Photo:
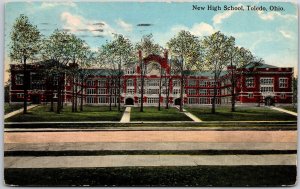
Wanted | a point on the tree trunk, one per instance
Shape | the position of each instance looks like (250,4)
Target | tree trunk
(58,95)
(110,94)
(25,85)
(213,110)
(159,95)
(81,99)
(115,91)
(119,88)
(73,94)
(232,89)
(52,95)
(76,96)
(142,88)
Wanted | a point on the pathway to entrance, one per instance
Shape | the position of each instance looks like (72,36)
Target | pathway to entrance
(193,117)
(18,111)
(126,116)
(283,110)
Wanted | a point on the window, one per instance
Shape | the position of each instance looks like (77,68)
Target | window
(282,96)
(203,101)
(102,91)
(250,95)
(90,91)
(192,100)
(19,79)
(249,82)
(153,91)
(283,82)
(176,91)
(90,100)
(152,100)
(20,95)
(266,81)
(90,83)
(129,83)
(203,92)
(153,82)
(130,91)
(101,83)
(192,92)
(203,83)
(102,100)
(192,82)
(176,83)
(212,83)
(266,89)
(130,71)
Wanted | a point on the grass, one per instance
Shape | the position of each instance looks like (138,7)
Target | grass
(89,113)
(223,113)
(152,114)
(11,107)
(155,176)
(290,108)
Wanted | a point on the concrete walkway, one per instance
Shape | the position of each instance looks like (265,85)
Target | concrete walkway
(193,117)
(283,110)
(146,146)
(146,160)
(152,136)
(18,111)
(126,115)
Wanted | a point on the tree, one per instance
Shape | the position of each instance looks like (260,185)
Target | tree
(106,59)
(238,58)
(145,48)
(123,51)
(25,45)
(58,50)
(216,58)
(186,51)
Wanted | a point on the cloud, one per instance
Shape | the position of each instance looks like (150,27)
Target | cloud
(78,24)
(273,15)
(218,18)
(202,29)
(286,34)
(47,5)
(125,26)
(198,29)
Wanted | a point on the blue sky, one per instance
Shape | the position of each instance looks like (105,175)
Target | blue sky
(271,35)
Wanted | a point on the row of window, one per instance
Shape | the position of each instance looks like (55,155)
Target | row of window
(202,100)
(203,91)
(283,82)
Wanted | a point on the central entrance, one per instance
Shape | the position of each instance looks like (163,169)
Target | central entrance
(129,101)
(177,101)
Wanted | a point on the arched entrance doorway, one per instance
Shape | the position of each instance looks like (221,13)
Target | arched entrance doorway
(177,101)
(269,101)
(129,101)
(35,98)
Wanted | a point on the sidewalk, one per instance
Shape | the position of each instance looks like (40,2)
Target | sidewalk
(193,117)
(147,160)
(145,146)
(18,111)
(126,116)
(285,111)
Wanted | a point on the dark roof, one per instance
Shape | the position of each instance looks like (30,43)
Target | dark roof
(259,65)
(205,73)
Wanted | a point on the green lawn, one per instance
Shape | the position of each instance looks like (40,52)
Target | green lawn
(241,114)
(90,113)
(11,107)
(152,114)
(181,176)
(290,108)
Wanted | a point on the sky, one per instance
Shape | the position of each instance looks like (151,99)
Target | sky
(270,35)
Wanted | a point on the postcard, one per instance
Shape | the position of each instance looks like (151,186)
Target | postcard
(172,93)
